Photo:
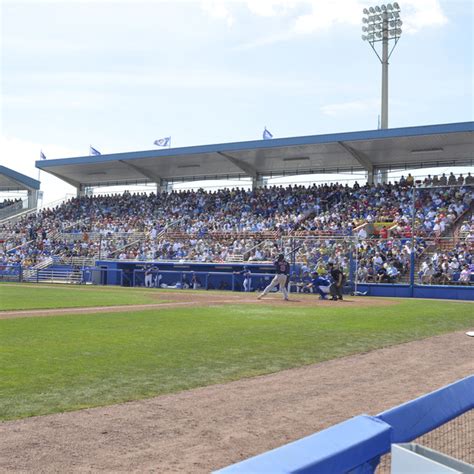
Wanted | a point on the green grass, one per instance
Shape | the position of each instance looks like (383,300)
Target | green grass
(64,363)
(18,297)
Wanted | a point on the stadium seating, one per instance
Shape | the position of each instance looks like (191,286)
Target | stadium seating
(312,223)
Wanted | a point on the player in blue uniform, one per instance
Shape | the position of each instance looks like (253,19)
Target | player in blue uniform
(321,285)
(247,275)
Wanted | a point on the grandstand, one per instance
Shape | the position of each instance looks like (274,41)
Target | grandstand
(402,233)
(18,193)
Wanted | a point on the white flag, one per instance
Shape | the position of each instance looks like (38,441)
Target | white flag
(93,151)
(163,141)
(266,134)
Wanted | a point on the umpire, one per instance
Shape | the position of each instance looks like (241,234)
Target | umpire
(339,279)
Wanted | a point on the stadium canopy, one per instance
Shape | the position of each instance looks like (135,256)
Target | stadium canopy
(11,180)
(370,151)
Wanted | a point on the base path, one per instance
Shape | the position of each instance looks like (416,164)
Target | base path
(177,299)
(208,428)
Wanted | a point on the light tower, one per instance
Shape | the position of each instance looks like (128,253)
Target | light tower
(382,24)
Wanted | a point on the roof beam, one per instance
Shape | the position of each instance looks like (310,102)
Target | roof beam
(245,167)
(70,181)
(22,181)
(360,157)
(148,174)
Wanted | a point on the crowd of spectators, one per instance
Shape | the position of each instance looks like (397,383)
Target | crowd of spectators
(248,224)
(450,180)
(10,202)
(466,231)
(453,266)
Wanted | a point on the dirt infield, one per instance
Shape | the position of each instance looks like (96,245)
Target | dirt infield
(204,429)
(176,299)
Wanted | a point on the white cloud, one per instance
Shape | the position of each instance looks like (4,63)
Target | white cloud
(62,99)
(218,9)
(181,79)
(357,107)
(420,14)
(268,8)
(313,16)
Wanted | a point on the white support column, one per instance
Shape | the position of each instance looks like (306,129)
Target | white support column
(163,186)
(32,198)
(259,181)
(370,176)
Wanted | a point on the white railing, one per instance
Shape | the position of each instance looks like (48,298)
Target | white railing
(78,261)
(53,276)
(18,216)
(57,202)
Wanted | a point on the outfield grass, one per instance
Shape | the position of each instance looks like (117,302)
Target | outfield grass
(22,296)
(64,363)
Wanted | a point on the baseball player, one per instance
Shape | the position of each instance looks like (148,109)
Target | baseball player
(321,285)
(149,277)
(247,284)
(282,270)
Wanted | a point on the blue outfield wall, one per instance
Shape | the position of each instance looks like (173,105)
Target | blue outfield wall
(449,292)
(356,445)
(227,276)
(224,276)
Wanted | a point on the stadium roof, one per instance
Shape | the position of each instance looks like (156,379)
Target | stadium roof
(388,149)
(11,180)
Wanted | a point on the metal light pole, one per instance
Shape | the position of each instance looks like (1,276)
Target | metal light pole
(381,24)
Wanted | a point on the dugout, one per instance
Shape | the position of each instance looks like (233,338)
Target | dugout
(211,276)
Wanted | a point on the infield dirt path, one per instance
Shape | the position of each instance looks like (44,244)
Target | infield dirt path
(177,299)
(208,428)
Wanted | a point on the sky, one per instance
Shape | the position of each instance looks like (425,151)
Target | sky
(118,75)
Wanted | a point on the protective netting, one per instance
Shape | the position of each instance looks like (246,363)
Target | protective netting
(455,439)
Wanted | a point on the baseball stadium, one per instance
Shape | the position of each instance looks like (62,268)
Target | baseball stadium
(164,320)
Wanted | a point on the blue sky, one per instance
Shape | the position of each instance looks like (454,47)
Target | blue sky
(119,75)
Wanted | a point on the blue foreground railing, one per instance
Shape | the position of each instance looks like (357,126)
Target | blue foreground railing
(356,445)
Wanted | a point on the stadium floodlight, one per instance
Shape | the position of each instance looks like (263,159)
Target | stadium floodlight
(382,23)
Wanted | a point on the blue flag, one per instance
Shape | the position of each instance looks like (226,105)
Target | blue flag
(42,155)
(163,141)
(93,151)
(266,134)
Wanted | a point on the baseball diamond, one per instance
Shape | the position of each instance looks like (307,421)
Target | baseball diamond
(79,357)
(216,255)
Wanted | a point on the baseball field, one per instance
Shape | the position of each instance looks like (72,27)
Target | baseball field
(66,348)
